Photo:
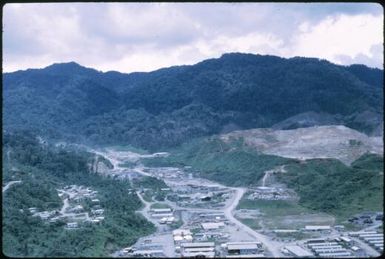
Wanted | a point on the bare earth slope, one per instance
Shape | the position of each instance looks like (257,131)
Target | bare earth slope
(337,142)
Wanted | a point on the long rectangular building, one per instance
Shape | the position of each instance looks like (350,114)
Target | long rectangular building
(371,235)
(198,244)
(317,228)
(202,249)
(246,256)
(298,251)
(198,249)
(333,250)
(198,254)
(242,248)
(373,239)
(323,244)
(354,234)
(327,248)
(376,241)
(337,255)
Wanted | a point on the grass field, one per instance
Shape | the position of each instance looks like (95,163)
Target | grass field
(294,235)
(159,206)
(253,223)
(279,214)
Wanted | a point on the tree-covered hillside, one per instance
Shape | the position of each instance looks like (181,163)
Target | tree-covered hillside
(330,186)
(171,105)
(42,169)
(232,164)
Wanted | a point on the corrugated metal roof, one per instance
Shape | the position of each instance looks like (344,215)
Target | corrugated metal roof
(298,251)
(198,244)
(242,246)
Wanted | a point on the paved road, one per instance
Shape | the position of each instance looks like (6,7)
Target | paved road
(371,251)
(6,187)
(273,248)
(374,227)
(145,211)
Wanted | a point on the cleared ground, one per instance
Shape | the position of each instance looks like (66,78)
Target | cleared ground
(338,142)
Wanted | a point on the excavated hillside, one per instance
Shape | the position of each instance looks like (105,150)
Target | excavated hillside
(338,142)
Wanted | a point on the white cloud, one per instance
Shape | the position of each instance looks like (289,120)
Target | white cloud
(340,35)
(142,37)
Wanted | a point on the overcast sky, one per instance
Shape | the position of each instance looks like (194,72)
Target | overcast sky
(131,37)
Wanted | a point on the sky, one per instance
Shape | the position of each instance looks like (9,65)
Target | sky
(130,37)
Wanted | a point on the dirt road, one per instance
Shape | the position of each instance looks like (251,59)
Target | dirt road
(6,187)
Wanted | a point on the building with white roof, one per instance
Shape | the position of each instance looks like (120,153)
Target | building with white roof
(198,245)
(317,228)
(335,255)
(198,249)
(181,232)
(298,251)
(212,225)
(246,256)
(165,210)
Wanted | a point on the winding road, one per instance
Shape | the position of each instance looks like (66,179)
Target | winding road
(146,209)
(6,187)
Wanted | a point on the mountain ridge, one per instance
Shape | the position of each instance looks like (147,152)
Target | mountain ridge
(353,67)
(168,106)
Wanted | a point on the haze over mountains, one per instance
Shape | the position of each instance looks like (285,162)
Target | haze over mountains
(169,106)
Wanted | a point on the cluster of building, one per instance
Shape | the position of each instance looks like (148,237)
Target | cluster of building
(180,236)
(245,249)
(208,236)
(73,211)
(324,248)
(366,218)
(338,247)
(209,226)
(372,238)
(44,215)
(166,215)
(197,249)
(297,251)
(317,228)
(166,172)
(229,250)
(143,250)
(190,195)
(76,193)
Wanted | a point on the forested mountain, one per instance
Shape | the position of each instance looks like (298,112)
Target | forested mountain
(171,105)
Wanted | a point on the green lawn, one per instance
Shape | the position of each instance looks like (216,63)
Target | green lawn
(272,208)
(253,223)
(280,214)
